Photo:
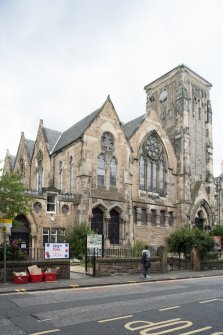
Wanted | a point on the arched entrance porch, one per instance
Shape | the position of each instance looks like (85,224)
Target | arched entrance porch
(21,231)
(202,216)
(106,223)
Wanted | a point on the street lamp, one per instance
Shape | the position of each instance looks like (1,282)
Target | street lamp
(218,184)
(52,220)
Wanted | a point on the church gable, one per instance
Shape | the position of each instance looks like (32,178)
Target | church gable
(40,165)
(9,162)
(23,158)
(106,148)
(149,124)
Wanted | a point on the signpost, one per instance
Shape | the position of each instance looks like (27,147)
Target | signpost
(6,224)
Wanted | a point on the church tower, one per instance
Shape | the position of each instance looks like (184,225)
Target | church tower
(181,99)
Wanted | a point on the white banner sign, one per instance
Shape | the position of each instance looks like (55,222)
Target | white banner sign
(56,250)
(94,243)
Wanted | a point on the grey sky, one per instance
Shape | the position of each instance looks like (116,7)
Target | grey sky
(59,59)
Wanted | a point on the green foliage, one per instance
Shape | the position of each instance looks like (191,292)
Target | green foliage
(182,241)
(217,231)
(137,248)
(76,237)
(13,198)
(13,251)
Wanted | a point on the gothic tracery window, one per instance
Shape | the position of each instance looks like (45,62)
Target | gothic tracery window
(107,141)
(151,165)
(107,162)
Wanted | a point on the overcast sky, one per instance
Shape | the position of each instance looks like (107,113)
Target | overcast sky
(59,59)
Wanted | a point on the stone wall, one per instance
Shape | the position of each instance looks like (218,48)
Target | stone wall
(20,266)
(213,264)
(108,266)
(177,264)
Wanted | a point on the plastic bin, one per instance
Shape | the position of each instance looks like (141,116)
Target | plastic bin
(49,276)
(20,279)
(36,278)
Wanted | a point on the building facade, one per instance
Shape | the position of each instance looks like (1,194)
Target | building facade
(134,181)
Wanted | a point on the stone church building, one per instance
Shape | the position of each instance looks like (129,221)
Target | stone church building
(130,181)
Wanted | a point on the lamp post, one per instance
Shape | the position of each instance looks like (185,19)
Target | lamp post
(52,220)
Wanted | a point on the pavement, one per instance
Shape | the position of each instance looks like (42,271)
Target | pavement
(80,279)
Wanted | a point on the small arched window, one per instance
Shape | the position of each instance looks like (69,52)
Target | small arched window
(101,170)
(113,170)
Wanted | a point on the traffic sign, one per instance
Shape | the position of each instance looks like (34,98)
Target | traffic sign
(5,223)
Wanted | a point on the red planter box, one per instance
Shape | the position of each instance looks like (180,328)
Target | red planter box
(20,279)
(35,278)
(49,276)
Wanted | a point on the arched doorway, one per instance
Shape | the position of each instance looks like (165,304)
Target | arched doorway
(202,216)
(113,227)
(199,220)
(20,231)
(97,221)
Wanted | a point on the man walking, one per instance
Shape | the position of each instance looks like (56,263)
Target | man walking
(145,261)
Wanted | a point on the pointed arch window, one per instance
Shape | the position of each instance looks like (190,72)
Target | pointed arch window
(39,171)
(152,166)
(149,174)
(162,178)
(37,180)
(71,174)
(142,173)
(154,177)
(60,186)
(22,167)
(101,170)
(113,169)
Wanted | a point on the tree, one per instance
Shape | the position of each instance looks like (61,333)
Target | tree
(13,197)
(182,241)
(217,231)
(76,237)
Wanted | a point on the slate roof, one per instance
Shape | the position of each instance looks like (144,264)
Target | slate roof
(52,136)
(76,131)
(30,147)
(132,126)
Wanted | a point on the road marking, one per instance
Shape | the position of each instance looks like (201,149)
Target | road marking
(22,290)
(167,308)
(118,318)
(211,300)
(131,281)
(44,320)
(46,332)
(196,331)
(74,285)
